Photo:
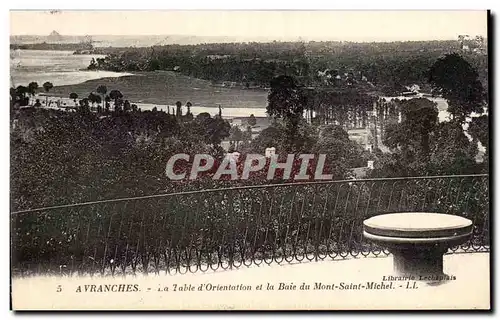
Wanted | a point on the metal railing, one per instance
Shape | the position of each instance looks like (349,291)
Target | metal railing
(230,228)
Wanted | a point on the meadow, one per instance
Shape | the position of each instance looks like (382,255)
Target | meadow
(167,87)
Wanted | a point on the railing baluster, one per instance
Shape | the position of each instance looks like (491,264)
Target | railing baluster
(104,258)
(245,240)
(130,229)
(356,221)
(309,217)
(300,219)
(277,234)
(321,222)
(364,244)
(257,227)
(289,258)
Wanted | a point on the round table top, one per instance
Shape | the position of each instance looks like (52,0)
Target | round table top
(417,224)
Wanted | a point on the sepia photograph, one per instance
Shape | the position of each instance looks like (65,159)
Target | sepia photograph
(249,160)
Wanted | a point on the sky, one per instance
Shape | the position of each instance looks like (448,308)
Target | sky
(328,25)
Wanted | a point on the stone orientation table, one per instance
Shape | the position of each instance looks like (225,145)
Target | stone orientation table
(417,240)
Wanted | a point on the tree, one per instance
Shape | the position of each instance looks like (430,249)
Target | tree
(189,115)
(252,121)
(119,104)
(451,151)
(93,64)
(333,141)
(13,94)
(389,165)
(247,135)
(47,86)
(32,88)
(411,136)
(479,130)
(457,81)
(116,96)
(235,135)
(107,100)
(217,129)
(84,105)
(126,106)
(73,96)
(203,116)
(19,96)
(285,101)
(94,98)
(211,130)
(102,90)
(421,117)
(267,138)
(309,100)
(178,111)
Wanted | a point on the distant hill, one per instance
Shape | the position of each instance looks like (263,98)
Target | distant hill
(81,46)
(54,37)
(136,41)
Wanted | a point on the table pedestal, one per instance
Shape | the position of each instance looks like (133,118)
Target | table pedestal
(418,261)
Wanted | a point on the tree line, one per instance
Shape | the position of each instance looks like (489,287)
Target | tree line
(388,66)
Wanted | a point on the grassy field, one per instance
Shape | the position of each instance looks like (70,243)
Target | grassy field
(167,87)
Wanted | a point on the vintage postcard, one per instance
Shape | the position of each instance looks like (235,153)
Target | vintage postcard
(249,160)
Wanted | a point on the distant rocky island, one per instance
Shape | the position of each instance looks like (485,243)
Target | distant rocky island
(54,41)
(100,51)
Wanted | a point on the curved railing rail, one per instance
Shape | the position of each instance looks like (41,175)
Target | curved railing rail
(228,228)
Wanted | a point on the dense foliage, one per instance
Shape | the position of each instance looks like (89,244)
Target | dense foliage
(388,66)
(420,145)
(59,157)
